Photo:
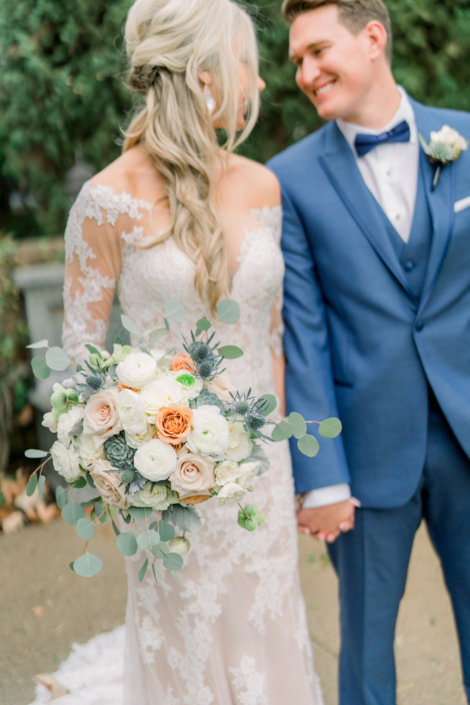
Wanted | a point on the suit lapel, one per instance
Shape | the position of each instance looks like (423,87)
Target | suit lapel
(339,165)
(440,201)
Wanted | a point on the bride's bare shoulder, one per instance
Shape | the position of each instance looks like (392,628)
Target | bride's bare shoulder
(134,173)
(249,185)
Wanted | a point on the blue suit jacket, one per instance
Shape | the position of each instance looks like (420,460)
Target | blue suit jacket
(358,344)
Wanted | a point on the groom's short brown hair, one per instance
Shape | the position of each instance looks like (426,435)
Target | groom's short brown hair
(353,14)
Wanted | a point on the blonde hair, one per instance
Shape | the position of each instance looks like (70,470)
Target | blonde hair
(169,42)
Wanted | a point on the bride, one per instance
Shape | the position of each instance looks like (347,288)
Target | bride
(178,217)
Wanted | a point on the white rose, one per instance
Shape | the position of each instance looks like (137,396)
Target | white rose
(156,498)
(194,475)
(191,383)
(221,387)
(447,135)
(210,434)
(137,370)
(155,460)
(135,440)
(66,461)
(163,392)
(241,445)
(231,493)
(225,472)
(49,421)
(89,453)
(67,422)
(130,409)
(248,472)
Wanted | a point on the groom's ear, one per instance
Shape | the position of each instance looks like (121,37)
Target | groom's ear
(376,37)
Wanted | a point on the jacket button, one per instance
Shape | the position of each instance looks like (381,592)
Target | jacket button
(419,326)
(409,265)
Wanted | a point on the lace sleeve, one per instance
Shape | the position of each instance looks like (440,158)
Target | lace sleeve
(274,219)
(93,261)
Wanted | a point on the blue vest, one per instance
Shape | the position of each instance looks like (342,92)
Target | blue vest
(414,255)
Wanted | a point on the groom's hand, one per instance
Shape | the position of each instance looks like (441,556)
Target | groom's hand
(327,523)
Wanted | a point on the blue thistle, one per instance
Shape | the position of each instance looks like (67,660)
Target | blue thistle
(206,359)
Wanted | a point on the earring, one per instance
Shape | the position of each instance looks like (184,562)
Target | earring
(210,102)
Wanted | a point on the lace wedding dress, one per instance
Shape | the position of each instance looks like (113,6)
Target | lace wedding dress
(235,631)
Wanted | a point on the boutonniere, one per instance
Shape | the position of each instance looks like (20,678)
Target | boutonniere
(444,147)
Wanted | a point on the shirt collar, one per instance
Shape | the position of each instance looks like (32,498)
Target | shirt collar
(404,112)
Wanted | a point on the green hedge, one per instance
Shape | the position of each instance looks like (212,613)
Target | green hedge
(60,83)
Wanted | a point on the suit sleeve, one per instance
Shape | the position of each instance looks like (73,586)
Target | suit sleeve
(309,378)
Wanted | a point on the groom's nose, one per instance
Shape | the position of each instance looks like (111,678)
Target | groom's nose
(309,72)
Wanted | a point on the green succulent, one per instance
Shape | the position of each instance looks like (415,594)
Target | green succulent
(118,452)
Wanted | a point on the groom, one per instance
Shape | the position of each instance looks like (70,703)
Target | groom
(377,313)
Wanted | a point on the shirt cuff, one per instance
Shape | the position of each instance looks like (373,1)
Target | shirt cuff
(326,496)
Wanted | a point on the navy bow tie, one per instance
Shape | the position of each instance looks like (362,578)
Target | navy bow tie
(366,143)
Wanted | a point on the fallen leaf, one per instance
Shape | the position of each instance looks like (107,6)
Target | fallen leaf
(53,686)
(403,688)
(13,522)
(37,611)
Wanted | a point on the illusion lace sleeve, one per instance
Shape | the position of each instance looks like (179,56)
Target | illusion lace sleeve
(93,261)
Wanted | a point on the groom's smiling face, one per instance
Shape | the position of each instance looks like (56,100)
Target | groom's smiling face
(335,68)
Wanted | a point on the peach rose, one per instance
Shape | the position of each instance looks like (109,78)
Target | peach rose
(107,484)
(173,424)
(193,476)
(182,362)
(196,499)
(101,419)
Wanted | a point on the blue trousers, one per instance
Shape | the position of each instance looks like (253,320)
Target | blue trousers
(372,565)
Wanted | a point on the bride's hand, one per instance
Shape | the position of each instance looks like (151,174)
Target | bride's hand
(327,523)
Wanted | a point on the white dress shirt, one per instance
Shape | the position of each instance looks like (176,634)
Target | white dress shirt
(390,172)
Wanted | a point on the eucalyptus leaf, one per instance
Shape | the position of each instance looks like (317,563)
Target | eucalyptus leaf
(127,543)
(143,570)
(281,432)
(185,518)
(41,481)
(100,512)
(154,573)
(203,324)
(32,484)
(330,428)
(146,538)
(308,445)
(297,424)
(228,311)
(231,352)
(270,403)
(166,531)
(90,481)
(175,575)
(71,566)
(40,368)
(129,325)
(140,512)
(38,346)
(85,529)
(259,455)
(72,512)
(175,311)
(116,530)
(33,453)
(80,483)
(60,497)
(88,565)
(57,359)
(173,562)
(93,350)
(157,334)
(118,341)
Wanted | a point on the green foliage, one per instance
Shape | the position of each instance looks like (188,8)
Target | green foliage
(12,327)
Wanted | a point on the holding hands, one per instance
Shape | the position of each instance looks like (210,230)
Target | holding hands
(327,523)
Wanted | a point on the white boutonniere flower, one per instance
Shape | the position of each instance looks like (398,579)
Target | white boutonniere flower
(444,147)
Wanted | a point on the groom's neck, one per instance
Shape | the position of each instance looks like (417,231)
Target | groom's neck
(379,104)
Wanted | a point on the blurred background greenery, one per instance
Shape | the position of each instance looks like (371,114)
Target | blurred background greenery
(62,103)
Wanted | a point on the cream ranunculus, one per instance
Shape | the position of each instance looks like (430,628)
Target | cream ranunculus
(131,412)
(135,440)
(49,421)
(155,460)
(231,493)
(109,485)
(164,392)
(447,135)
(191,383)
(248,472)
(89,452)
(137,370)
(241,445)
(157,498)
(227,471)
(66,461)
(210,434)
(67,422)
(194,475)
(221,387)
(101,418)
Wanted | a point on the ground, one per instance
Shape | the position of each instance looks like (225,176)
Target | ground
(38,624)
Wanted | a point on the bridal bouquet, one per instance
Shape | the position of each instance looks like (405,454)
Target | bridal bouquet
(158,432)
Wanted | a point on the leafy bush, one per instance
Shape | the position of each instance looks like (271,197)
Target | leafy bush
(61,91)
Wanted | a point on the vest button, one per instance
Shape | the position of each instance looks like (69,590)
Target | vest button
(419,326)
(409,265)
